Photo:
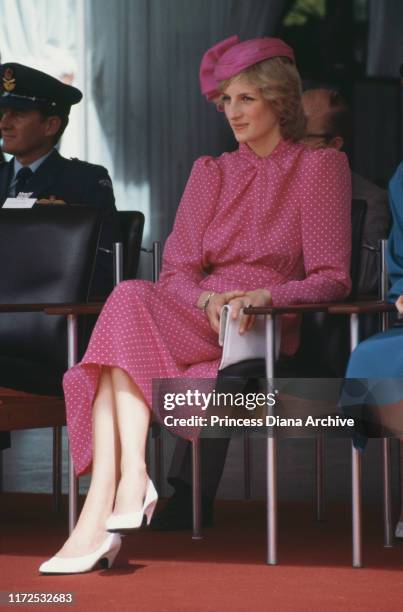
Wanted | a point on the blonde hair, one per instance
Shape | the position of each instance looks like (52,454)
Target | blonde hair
(280,84)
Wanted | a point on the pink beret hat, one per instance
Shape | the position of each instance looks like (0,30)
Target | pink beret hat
(229,57)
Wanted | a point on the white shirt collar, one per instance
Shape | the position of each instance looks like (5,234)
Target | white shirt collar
(34,166)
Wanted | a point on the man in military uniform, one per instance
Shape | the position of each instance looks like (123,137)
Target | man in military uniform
(34,110)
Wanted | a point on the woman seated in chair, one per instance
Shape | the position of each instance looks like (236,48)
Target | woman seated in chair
(381,356)
(266,224)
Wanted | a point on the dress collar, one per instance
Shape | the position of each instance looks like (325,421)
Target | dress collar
(278,152)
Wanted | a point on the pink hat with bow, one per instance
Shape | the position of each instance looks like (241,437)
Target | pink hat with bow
(229,57)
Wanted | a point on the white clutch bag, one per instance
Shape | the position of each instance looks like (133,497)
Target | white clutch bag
(249,345)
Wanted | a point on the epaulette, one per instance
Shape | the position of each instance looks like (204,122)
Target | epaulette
(99,171)
(81,161)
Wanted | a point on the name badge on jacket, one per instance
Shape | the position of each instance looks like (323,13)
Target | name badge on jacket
(19,202)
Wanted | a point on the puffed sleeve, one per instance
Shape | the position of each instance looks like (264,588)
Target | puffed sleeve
(395,242)
(325,188)
(183,265)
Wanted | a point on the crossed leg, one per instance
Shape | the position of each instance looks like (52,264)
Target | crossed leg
(120,424)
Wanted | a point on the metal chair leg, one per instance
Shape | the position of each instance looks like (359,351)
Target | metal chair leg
(356,506)
(247,465)
(196,492)
(73,495)
(387,493)
(157,432)
(1,472)
(356,469)
(320,445)
(272,500)
(57,468)
(271,453)
(72,358)
(148,452)
(386,442)
(158,456)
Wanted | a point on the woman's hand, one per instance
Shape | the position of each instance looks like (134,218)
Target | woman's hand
(215,303)
(257,297)
(399,304)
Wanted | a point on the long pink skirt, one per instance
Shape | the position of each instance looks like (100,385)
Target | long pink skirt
(150,334)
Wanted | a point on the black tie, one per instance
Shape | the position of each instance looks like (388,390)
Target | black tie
(23,177)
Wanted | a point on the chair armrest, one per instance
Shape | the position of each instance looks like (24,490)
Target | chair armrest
(29,411)
(23,307)
(331,307)
(55,309)
(292,309)
(74,309)
(373,307)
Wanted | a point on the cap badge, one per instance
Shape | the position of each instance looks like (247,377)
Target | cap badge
(8,80)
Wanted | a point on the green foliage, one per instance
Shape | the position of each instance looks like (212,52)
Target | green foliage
(303,10)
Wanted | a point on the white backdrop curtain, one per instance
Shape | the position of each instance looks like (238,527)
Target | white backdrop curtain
(385,55)
(385,38)
(43,34)
(137,62)
(143,61)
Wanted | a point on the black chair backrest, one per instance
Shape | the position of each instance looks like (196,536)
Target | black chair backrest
(131,225)
(358,212)
(324,347)
(47,255)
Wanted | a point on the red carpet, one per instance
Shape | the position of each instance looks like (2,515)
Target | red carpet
(225,571)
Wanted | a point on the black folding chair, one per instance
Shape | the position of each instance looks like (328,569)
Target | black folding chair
(358,216)
(47,256)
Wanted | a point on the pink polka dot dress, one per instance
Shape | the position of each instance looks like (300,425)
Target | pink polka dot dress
(244,222)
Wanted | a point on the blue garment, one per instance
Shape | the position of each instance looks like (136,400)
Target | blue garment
(17,167)
(395,242)
(381,356)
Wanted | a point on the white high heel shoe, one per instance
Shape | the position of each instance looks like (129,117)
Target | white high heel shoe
(134,520)
(105,555)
